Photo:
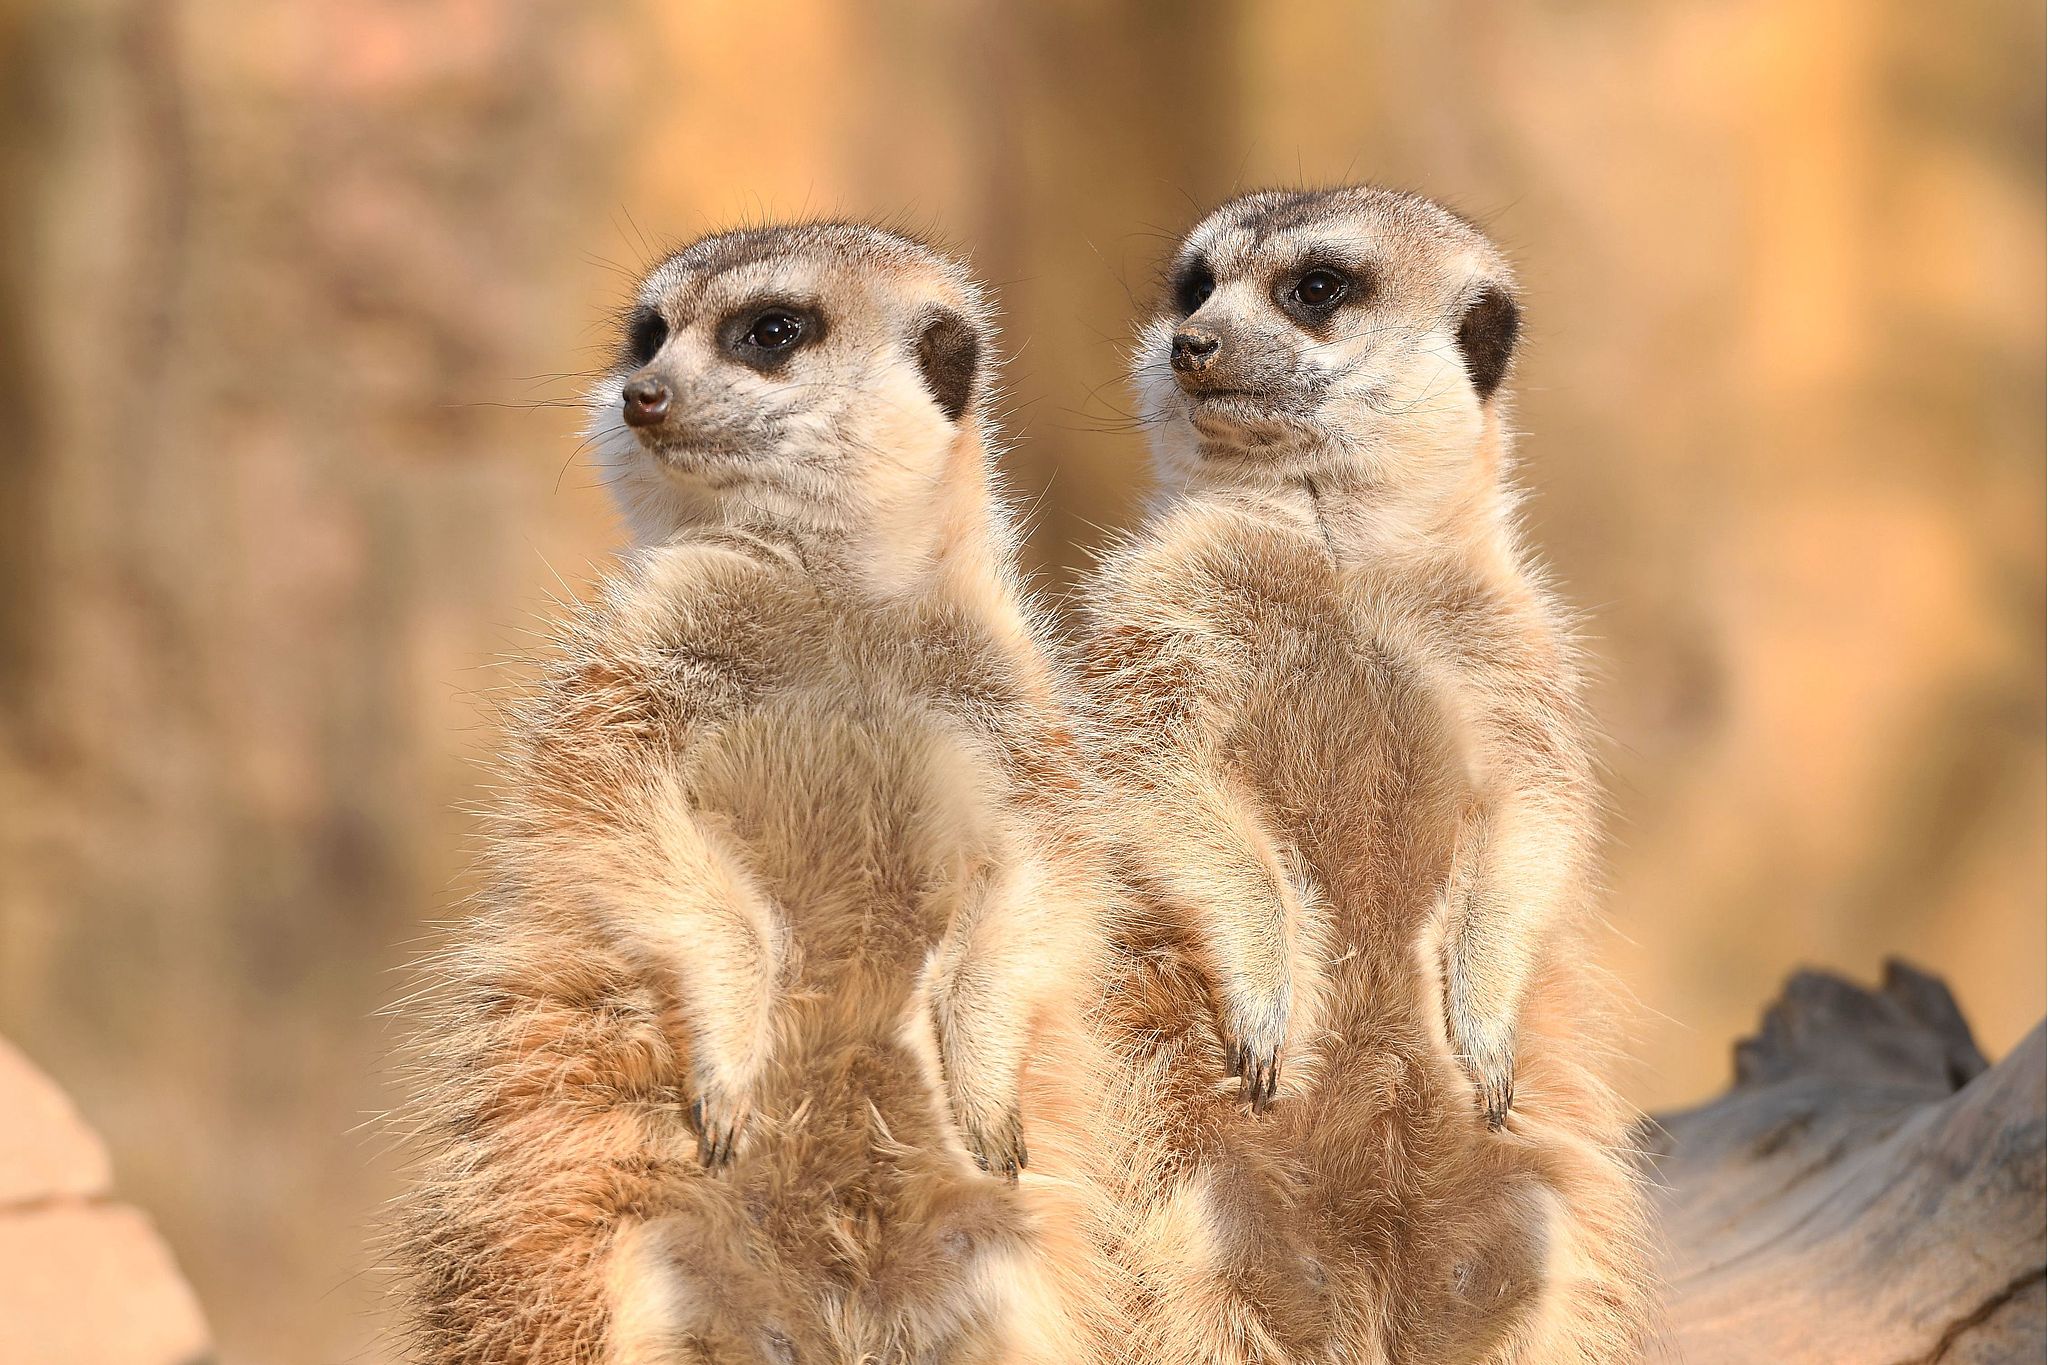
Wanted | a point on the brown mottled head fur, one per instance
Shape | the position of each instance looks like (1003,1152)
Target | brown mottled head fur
(1351,787)
(765,1042)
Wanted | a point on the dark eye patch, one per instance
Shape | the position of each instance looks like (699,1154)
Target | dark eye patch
(766,333)
(1312,294)
(1321,288)
(646,331)
(1193,283)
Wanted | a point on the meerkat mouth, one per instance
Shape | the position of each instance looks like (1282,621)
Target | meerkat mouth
(1233,399)
(693,457)
(1198,397)
(1242,416)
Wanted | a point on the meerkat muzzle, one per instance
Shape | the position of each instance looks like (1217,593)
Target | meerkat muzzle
(646,401)
(1194,350)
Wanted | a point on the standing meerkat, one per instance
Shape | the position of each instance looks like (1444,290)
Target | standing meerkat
(1342,713)
(740,1057)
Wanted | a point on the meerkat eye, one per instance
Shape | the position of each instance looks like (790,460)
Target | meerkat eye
(646,330)
(1192,288)
(775,330)
(765,335)
(1321,288)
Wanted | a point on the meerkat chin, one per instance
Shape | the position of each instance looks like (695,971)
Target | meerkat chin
(736,1060)
(1355,787)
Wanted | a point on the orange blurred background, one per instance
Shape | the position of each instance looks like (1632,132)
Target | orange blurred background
(292,301)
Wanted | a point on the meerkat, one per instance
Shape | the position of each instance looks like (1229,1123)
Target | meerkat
(1352,780)
(766,1042)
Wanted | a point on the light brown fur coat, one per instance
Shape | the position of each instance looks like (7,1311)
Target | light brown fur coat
(786,924)
(1325,681)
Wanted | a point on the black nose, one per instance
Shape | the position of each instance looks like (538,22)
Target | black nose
(646,400)
(1193,349)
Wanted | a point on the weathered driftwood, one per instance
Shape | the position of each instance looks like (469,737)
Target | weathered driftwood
(1868,1193)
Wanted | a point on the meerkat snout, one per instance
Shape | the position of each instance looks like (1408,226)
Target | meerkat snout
(1193,350)
(646,400)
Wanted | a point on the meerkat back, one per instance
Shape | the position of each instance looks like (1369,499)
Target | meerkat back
(746,1055)
(1357,808)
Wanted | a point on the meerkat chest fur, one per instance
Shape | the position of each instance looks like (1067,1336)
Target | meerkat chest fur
(1283,623)
(854,749)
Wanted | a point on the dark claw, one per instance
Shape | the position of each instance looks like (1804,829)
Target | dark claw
(1001,1153)
(717,1138)
(1495,1097)
(1260,1075)
(1488,1058)
(1493,1084)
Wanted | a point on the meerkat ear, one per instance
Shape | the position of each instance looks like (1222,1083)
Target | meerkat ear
(1486,338)
(949,354)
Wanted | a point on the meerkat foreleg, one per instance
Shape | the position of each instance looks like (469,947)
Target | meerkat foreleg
(1197,837)
(1525,837)
(986,975)
(690,904)
(1212,853)
(1514,858)
(1481,1030)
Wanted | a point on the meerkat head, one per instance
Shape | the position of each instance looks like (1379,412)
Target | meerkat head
(1358,331)
(818,377)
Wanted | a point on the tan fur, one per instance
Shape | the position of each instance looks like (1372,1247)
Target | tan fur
(780,972)
(1352,784)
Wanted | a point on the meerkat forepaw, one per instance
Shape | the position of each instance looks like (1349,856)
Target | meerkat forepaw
(997,1144)
(719,1119)
(1488,1057)
(1259,1071)
(1252,1052)
(1496,1094)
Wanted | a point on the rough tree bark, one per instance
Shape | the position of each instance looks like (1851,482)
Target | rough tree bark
(1869,1192)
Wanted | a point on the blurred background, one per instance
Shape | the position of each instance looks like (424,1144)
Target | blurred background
(294,297)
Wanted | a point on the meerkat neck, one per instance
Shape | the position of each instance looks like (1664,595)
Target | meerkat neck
(1361,516)
(890,550)
(1361,520)
(948,542)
